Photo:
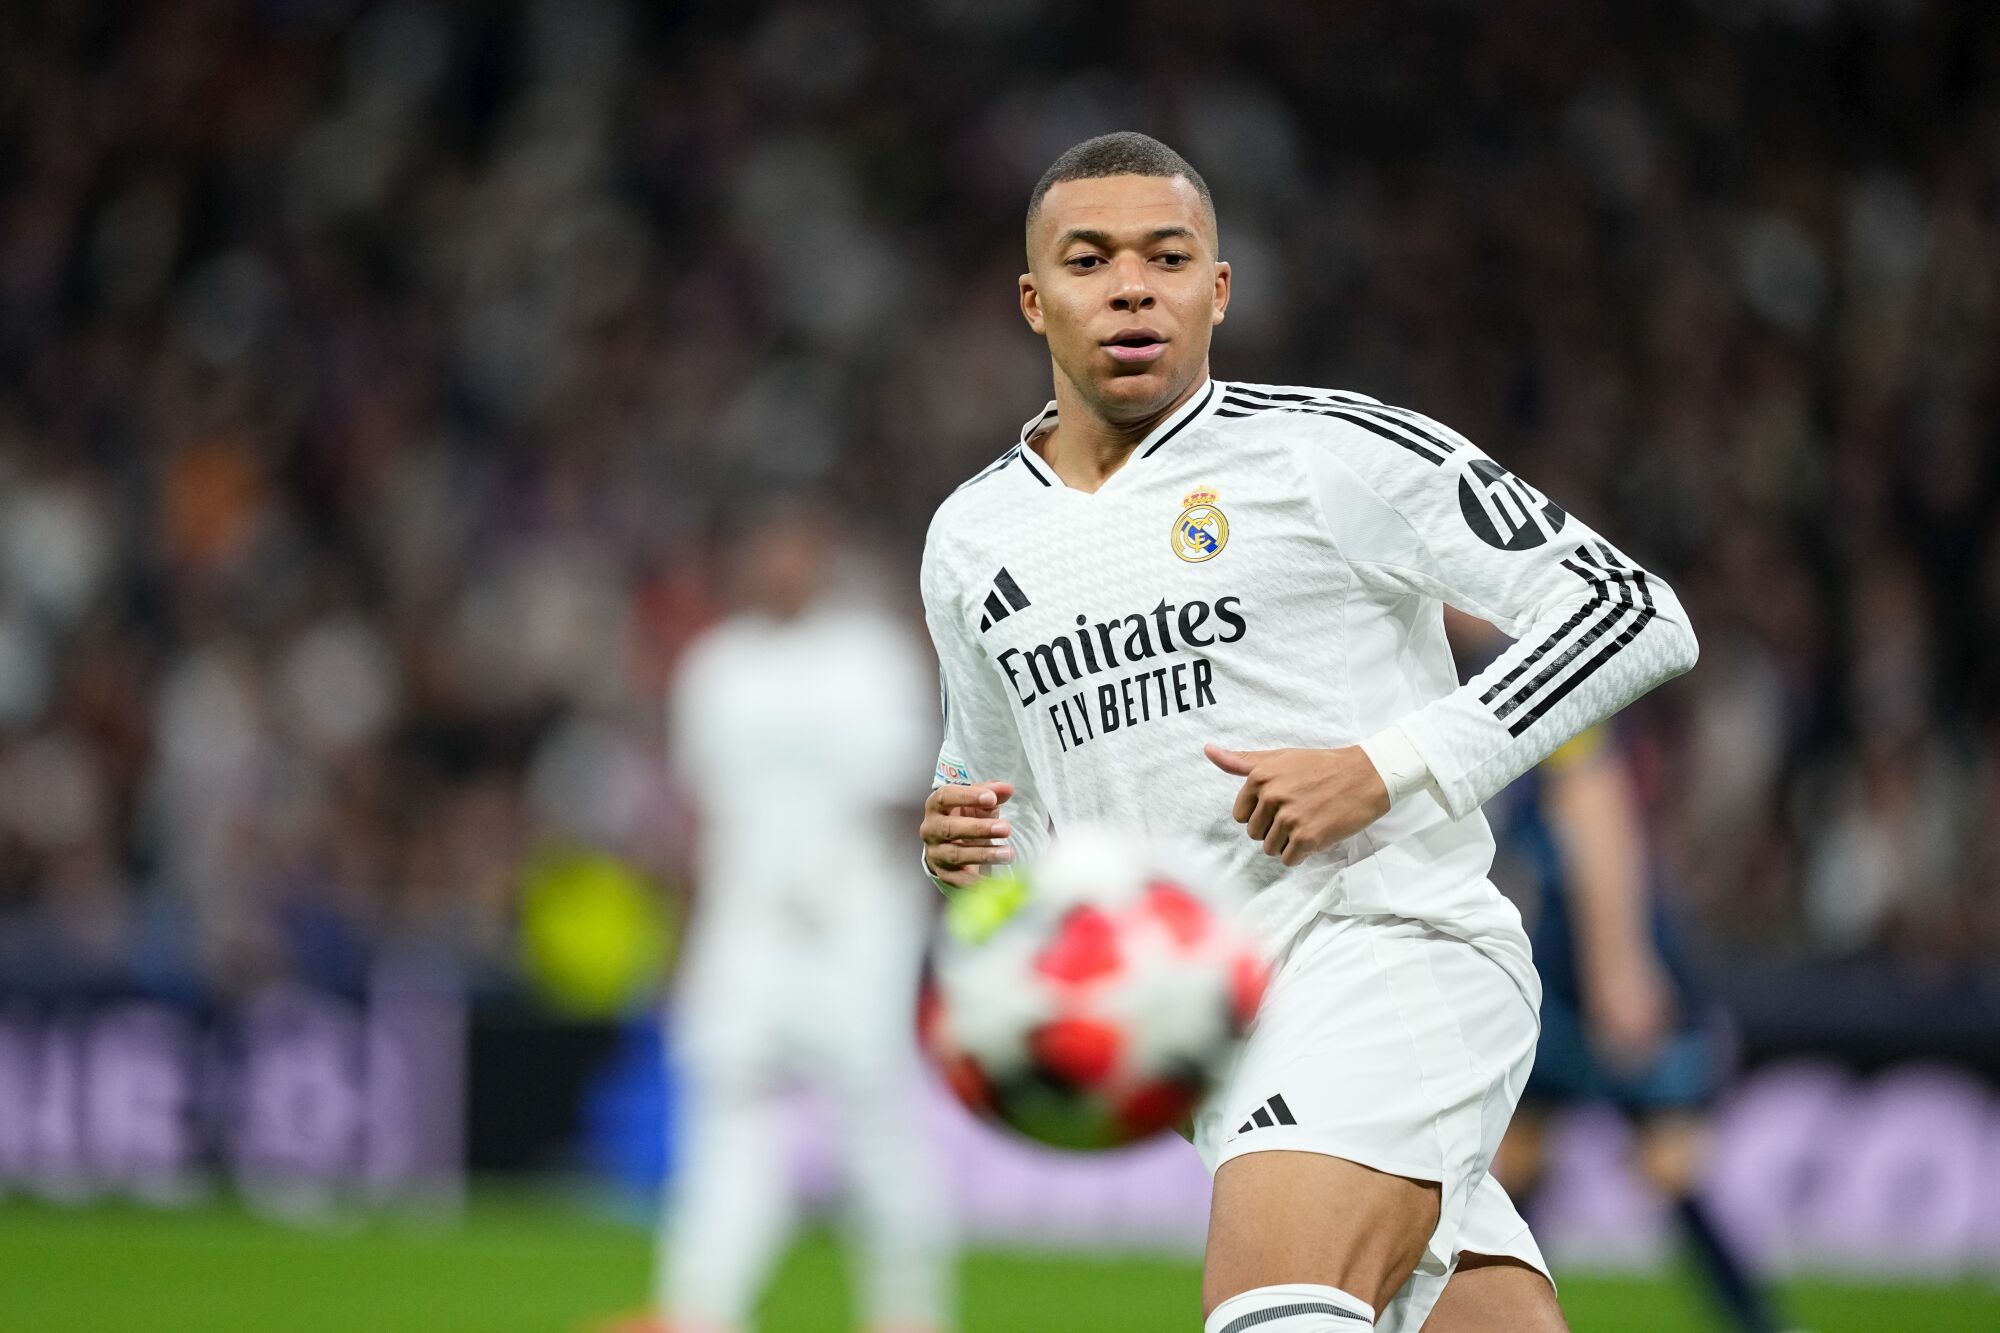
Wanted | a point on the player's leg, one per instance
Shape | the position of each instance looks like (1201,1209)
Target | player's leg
(1351,1138)
(1498,1280)
(897,1213)
(898,1219)
(731,1210)
(1315,1243)
(1671,1149)
(1487,1292)
(904,1236)
(1518,1165)
(1291,1219)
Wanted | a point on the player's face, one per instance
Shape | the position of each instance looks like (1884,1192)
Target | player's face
(1124,283)
(781,561)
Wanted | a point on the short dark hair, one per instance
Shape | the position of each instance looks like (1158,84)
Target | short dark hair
(1125,153)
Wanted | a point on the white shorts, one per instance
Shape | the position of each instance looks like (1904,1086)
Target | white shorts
(1391,1044)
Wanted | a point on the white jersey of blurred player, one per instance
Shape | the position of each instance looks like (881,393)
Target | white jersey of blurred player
(801,968)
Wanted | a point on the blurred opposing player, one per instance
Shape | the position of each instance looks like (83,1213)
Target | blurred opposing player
(1621,1018)
(1165,559)
(793,724)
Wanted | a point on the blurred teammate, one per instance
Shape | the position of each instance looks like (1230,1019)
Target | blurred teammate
(1165,560)
(793,724)
(1620,1021)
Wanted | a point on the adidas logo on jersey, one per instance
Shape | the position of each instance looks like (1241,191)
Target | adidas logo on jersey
(1272,1112)
(1002,600)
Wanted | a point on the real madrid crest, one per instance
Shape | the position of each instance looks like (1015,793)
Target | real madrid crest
(1201,531)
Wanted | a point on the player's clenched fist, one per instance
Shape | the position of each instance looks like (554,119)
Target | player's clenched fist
(962,830)
(1297,802)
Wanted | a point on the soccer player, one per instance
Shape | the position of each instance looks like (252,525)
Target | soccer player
(1214,608)
(801,970)
(1621,1017)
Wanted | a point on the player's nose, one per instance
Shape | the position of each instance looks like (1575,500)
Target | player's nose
(1131,291)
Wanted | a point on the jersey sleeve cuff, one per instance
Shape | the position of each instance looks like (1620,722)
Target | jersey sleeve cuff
(1396,758)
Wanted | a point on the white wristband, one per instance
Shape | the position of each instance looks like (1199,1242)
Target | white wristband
(1403,770)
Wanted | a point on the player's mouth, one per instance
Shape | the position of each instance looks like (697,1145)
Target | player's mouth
(1136,345)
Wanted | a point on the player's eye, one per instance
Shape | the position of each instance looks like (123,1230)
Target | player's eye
(1175,259)
(1085,263)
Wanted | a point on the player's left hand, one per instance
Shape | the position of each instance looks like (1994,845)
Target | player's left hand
(1628,1006)
(1297,802)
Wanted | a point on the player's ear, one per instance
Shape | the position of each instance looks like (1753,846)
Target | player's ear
(1221,305)
(1031,303)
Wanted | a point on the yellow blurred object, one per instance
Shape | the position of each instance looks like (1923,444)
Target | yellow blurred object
(982,907)
(594,937)
(1586,744)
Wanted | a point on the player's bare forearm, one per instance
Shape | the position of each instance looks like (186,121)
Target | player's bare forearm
(1628,1002)
(1596,822)
(1300,801)
(963,832)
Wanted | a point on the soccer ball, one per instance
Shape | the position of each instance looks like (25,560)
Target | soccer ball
(1089,1000)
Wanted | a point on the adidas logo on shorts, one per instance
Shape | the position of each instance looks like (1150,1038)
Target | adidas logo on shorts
(1272,1112)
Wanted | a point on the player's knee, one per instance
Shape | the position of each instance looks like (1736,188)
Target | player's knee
(1670,1154)
(1295,1307)
(1518,1163)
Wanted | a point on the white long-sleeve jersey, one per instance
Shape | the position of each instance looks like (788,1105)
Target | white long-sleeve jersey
(1269,569)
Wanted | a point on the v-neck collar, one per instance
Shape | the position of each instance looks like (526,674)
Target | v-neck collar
(1185,415)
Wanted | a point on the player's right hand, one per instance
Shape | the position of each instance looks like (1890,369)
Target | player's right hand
(963,833)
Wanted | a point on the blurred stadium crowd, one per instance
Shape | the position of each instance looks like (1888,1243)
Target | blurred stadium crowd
(372,377)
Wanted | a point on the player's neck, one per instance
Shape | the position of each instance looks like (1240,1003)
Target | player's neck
(1085,448)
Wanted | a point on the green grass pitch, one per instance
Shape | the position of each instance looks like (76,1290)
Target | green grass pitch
(532,1264)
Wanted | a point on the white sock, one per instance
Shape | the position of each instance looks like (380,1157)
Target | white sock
(1296,1307)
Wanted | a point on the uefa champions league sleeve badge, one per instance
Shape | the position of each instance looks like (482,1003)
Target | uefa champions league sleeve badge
(1201,531)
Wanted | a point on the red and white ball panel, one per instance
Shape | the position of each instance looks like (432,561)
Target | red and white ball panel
(1101,1010)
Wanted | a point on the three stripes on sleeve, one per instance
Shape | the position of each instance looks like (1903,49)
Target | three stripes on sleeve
(1621,602)
(1605,611)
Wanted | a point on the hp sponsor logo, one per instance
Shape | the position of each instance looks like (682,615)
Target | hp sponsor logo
(1505,511)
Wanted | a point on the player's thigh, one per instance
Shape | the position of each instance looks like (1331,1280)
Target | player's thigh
(1489,1292)
(1282,1217)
